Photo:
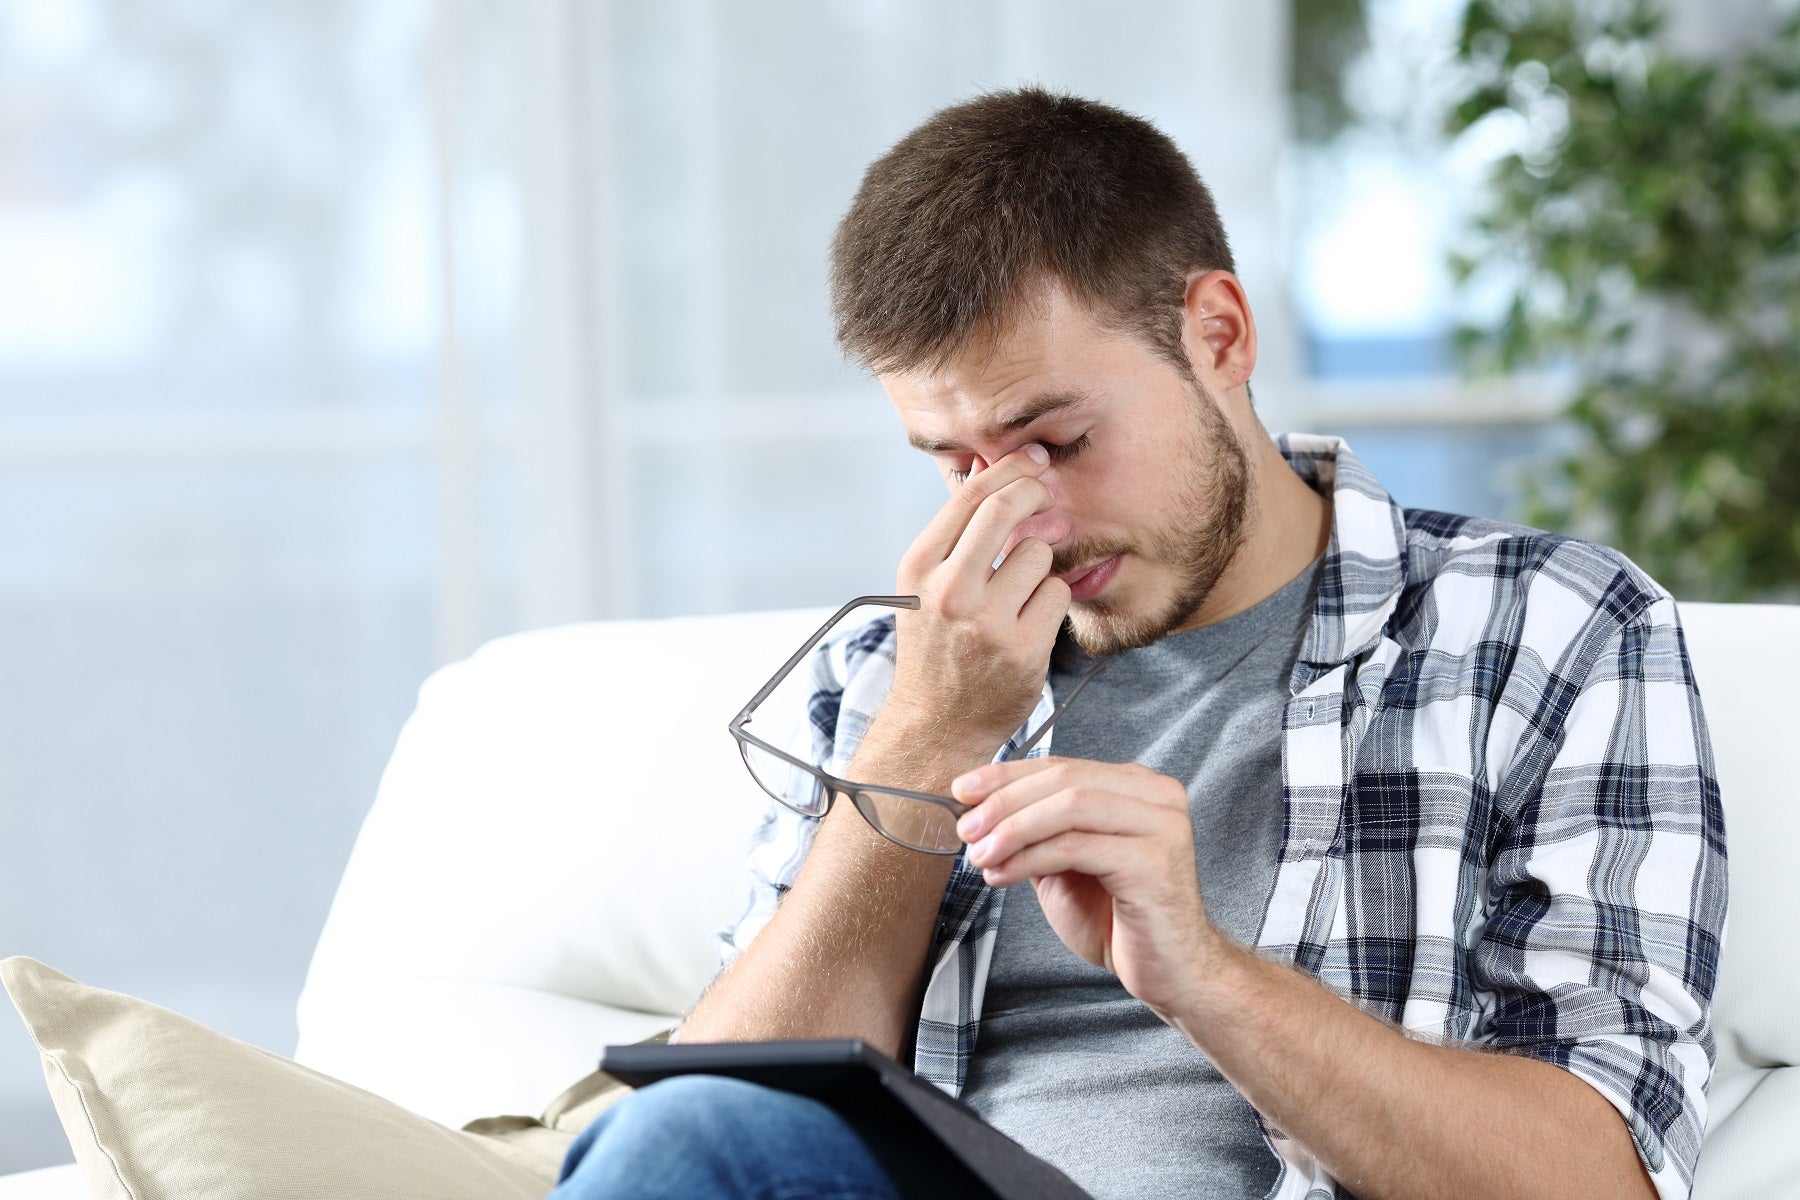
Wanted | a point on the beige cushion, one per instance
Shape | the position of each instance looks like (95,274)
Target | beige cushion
(156,1105)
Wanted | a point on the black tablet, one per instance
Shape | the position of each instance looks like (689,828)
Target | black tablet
(931,1143)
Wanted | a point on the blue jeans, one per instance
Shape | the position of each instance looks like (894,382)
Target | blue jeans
(700,1137)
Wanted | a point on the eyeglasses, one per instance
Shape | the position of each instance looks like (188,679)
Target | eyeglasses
(917,820)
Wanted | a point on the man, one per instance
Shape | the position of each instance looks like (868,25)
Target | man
(1386,853)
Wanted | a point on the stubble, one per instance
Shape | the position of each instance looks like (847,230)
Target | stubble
(1209,506)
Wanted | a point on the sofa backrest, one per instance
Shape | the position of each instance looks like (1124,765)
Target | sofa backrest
(565,811)
(557,838)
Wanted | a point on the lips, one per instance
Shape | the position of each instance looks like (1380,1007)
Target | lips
(1087,582)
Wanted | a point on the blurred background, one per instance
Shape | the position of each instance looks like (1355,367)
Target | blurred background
(337,338)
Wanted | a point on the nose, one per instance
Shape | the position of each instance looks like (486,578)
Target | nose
(1051,527)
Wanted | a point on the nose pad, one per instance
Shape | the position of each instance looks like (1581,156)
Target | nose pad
(1051,527)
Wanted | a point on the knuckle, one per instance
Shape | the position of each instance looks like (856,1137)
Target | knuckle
(1027,491)
(974,490)
(954,609)
(1156,779)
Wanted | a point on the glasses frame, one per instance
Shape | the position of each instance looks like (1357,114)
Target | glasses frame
(859,793)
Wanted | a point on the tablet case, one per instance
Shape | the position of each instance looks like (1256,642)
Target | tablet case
(932,1144)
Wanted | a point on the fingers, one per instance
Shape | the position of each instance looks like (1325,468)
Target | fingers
(944,533)
(1086,810)
(995,796)
(1025,569)
(1043,614)
(975,652)
(1052,815)
(988,781)
(985,536)
(1105,858)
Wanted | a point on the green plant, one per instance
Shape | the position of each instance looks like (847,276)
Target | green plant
(1325,37)
(1645,229)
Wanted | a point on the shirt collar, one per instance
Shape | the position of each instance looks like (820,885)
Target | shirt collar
(1363,571)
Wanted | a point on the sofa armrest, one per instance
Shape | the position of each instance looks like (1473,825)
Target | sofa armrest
(1754,1100)
(455,1051)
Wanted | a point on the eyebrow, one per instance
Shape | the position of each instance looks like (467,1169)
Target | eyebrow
(1043,406)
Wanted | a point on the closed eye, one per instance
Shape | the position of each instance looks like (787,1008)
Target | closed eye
(1060,453)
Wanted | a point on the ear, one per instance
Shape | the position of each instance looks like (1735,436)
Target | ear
(1218,332)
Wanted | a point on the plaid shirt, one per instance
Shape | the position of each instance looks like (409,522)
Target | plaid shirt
(1502,823)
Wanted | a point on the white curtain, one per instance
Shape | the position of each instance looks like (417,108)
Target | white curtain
(336,338)
(678,169)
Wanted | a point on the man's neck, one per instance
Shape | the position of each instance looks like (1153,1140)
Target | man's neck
(1289,526)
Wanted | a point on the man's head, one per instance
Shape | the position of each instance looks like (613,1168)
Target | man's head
(958,226)
(1031,267)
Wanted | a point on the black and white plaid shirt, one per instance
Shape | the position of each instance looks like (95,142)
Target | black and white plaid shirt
(1502,821)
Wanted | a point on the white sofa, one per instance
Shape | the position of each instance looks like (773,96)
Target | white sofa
(561,830)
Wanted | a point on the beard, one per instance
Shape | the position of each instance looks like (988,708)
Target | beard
(1208,507)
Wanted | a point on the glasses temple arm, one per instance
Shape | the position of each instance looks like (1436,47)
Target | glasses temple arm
(794,659)
(1057,714)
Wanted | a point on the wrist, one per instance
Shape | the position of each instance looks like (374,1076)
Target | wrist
(924,753)
(961,720)
(1221,986)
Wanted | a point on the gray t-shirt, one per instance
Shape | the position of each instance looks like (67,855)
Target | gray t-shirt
(1067,1062)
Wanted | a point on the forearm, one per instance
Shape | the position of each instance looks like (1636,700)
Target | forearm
(1394,1118)
(844,955)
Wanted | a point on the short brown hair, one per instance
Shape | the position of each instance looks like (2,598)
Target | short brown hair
(956,225)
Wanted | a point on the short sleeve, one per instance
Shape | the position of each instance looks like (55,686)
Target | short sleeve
(1607,896)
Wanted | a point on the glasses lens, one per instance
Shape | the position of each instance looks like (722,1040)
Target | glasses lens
(915,823)
(782,719)
(799,790)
